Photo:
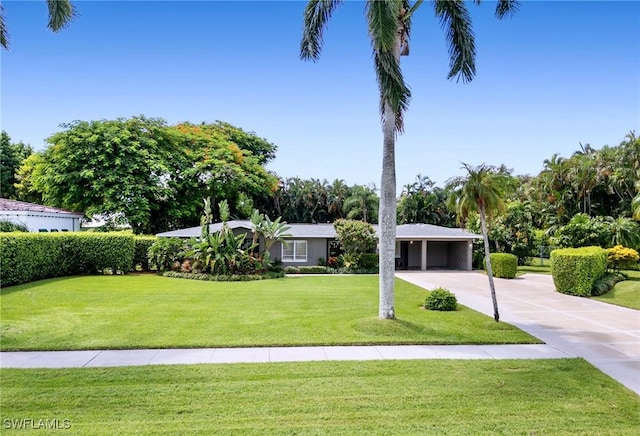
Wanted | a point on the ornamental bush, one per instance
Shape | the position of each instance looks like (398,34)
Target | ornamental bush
(164,252)
(441,299)
(25,257)
(620,257)
(504,265)
(369,261)
(575,270)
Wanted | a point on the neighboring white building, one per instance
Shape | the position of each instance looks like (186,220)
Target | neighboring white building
(39,218)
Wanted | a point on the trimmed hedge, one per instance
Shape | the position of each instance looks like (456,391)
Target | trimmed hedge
(25,257)
(504,265)
(224,278)
(306,269)
(576,270)
(141,251)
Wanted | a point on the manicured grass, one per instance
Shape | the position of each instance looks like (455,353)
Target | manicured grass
(626,293)
(535,266)
(542,397)
(148,311)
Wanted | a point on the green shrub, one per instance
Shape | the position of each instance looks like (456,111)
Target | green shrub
(165,252)
(504,265)
(25,257)
(605,283)
(291,270)
(441,299)
(368,261)
(620,257)
(141,251)
(8,226)
(224,278)
(575,270)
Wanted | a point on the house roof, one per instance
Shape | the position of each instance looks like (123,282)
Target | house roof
(7,205)
(430,231)
(403,231)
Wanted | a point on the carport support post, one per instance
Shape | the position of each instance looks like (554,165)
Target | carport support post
(423,256)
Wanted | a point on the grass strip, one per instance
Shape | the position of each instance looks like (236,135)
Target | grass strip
(543,397)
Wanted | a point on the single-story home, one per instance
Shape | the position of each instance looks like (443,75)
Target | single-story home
(418,246)
(39,218)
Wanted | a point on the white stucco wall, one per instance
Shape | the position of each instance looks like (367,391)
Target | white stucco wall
(39,220)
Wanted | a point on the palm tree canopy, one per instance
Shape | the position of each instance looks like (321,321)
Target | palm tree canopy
(61,12)
(388,18)
(482,188)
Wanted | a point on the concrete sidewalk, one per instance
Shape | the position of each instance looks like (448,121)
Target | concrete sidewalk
(102,358)
(607,336)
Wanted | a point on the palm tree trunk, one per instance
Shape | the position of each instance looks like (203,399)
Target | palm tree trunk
(387,211)
(487,257)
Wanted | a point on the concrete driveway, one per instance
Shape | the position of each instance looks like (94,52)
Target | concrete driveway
(607,336)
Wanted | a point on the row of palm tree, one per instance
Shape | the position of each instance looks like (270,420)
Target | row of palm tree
(318,201)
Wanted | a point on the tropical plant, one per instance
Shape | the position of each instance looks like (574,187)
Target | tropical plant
(61,12)
(355,237)
(481,190)
(389,26)
(362,204)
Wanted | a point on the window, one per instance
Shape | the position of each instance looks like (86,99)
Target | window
(294,251)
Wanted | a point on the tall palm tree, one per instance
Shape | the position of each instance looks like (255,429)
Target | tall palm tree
(61,12)
(481,190)
(389,26)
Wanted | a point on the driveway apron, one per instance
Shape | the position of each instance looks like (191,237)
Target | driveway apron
(605,335)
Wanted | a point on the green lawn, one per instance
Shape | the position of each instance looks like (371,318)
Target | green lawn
(626,293)
(536,266)
(541,397)
(148,311)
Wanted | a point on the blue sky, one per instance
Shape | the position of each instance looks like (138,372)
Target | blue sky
(555,75)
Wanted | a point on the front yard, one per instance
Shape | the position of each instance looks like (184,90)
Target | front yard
(148,311)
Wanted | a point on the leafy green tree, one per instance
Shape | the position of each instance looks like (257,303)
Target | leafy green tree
(389,26)
(28,177)
(480,191)
(61,12)
(355,237)
(513,232)
(152,175)
(11,157)
(582,231)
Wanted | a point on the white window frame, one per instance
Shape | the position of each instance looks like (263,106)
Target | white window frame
(293,246)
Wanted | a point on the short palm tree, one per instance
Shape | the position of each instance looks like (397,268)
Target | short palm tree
(61,12)
(479,191)
(389,25)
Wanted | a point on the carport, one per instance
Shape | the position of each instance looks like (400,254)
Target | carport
(425,246)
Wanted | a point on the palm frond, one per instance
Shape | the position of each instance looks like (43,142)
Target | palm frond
(316,16)
(4,35)
(507,8)
(386,31)
(454,17)
(383,19)
(61,12)
(392,87)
